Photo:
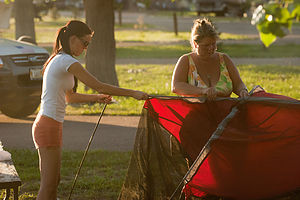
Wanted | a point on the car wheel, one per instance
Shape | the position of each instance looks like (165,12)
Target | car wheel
(19,109)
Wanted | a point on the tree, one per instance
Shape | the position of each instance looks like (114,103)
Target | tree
(100,60)
(275,19)
(119,4)
(24,17)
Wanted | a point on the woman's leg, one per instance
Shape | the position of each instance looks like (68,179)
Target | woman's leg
(50,159)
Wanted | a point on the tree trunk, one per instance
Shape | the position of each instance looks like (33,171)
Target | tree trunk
(24,17)
(100,60)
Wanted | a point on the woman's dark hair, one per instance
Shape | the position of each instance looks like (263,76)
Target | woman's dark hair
(73,27)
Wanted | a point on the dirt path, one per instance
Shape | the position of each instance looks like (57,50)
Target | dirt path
(115,133)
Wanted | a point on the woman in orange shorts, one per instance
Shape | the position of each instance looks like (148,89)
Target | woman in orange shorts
(59,87)
(47,132)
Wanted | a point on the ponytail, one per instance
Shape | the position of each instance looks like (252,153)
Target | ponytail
(73,27)
(56,46)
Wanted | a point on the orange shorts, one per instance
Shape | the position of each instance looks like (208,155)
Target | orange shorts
(46,132)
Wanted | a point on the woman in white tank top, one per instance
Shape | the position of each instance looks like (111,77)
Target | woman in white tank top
(58,89)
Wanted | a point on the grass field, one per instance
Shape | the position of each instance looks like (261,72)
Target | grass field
(103,172)
(156,80)
(234,50)
(101,176)
(46,31)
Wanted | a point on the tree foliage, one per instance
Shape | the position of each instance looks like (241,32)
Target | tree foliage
(275,19)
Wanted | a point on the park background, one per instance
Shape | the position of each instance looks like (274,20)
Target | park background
(147,50)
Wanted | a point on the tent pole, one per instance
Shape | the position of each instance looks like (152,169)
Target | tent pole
(86,150)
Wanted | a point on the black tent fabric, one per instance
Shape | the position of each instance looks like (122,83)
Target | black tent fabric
(254,158)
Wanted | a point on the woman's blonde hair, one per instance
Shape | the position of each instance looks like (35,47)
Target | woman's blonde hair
(202,28)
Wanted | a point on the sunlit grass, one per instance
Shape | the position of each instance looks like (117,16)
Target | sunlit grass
(283,80)
(150,51)
(133,32)
(156,80)
(234,50)
(101,176)
(162,51)
(153,79)
(165,36)
(45,30)
(259,51)
(230,36)
(150,35)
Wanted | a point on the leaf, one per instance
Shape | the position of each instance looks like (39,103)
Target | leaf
(284,15)
(267,39)
(276,29)
(277,20)
(296,13)
(296,2)
(271,8)
(263,27)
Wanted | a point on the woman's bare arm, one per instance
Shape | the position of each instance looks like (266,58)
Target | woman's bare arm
(239,87)
(88,79)
(73,97)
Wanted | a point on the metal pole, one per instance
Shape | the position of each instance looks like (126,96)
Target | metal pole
(86,150)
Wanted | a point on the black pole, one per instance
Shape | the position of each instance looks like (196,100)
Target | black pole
(85,152)
(175,23)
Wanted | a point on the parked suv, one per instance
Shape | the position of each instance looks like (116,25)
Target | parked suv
(20,77)
(221,7)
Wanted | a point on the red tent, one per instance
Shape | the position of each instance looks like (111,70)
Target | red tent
(254,154)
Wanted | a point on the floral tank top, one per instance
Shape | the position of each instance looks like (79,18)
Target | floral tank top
(224,85)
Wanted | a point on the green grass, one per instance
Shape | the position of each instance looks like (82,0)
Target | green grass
(165,36)
(103,172)
(258,51)
(234,50)
(283,80)
(149,36)
(153,79)
(158,51)
(156,80)
(46,32)
(101,176)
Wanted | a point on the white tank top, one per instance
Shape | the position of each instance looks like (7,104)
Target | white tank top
(56,81)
